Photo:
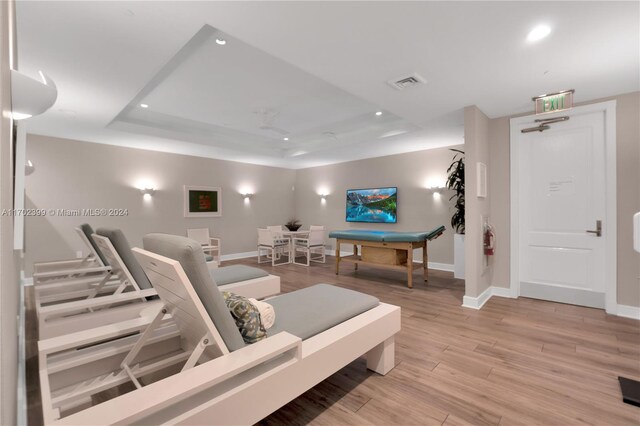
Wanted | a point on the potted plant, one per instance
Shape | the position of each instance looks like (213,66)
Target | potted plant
(455,182)
(293,225)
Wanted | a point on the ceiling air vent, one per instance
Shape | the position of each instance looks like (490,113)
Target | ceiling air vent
(406,82)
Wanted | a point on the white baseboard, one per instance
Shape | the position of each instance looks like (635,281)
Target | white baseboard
(478,302)
(448,267)
(432,265)
(234,256)
(502,292)
(342,253)
(626,311)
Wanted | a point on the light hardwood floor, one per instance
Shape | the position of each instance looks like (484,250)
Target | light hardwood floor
(521,361)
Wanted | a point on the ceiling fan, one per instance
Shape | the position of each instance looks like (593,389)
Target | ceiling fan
(267,116)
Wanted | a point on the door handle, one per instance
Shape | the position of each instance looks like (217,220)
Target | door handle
(598,230)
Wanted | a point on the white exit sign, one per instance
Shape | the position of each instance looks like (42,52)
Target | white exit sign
(554,101)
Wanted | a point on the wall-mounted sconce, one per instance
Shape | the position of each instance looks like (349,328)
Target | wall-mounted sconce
(247,195)
(147,192)
(324,196)
(437,189)
(29,96)
(29,168)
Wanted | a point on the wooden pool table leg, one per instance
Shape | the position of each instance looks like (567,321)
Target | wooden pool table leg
(425,262)
(337,256)
(410,266)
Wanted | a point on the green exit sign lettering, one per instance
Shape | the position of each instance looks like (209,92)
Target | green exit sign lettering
(554,101)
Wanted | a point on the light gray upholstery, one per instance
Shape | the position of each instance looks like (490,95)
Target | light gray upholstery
(120,243)
(87,230)
(236,273)
(307,312)
(189,253)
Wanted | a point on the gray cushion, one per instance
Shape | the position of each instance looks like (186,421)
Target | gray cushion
(87,230)
(236,273)
(123,249)
(189,253)
(307,312)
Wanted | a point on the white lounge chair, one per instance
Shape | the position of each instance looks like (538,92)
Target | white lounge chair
(91,268)
(318,330)
(94,307)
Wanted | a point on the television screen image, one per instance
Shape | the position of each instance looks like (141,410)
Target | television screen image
(377,205)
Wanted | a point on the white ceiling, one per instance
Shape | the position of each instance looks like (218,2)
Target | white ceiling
(317,70)
(248,101)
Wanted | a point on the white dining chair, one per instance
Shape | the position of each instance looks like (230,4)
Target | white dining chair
(272,241)
(312,245)
(212,247)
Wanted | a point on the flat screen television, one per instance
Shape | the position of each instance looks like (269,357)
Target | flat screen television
(373,205)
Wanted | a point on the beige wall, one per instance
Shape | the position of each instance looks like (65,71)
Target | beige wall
(499,188)
(76,175)
(418,209)
(9,287)
(101,176)
(628,194)
(478,275)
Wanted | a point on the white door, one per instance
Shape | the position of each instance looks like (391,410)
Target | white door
(565,225)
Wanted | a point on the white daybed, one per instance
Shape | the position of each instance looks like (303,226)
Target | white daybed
(94,306)
(223,381)
(93,258)
(92,267)
(88,306)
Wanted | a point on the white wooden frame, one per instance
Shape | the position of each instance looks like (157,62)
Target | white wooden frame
(93,310)
(57,316)
(609,109)
(275,247)
(216,391)
(90,266)
(210,245)
(188,188)
(75,366)
(257,288)
(304,245)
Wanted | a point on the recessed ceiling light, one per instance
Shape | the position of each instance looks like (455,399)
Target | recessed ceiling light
(285,139)
(221,41)
(378,112)
(144,106)
(538,33)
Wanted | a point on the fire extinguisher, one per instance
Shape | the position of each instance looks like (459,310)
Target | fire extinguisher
(489,240)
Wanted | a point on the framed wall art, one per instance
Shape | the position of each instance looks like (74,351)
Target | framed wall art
(202,201)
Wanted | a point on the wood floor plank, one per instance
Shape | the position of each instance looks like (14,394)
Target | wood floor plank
(382,411)
(561,395)
(499,398)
